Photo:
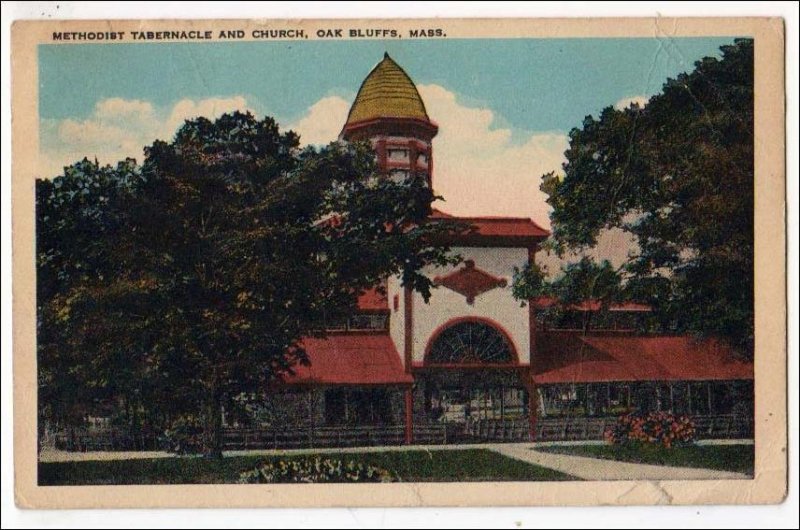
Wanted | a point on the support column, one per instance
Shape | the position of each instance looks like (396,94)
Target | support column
(409,409)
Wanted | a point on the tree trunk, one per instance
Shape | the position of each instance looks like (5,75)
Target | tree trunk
(213,445)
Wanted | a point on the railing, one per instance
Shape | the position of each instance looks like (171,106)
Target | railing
(706,427)
(247,438)
(496,430)
(723,426)
(83,440)
(475,431)
(565,429)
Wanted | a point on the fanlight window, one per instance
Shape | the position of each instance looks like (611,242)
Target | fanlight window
(470,343)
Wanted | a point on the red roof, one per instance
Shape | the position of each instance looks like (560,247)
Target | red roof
(545,302)
(497,231)
(569,357)
(373,300)
(351,359)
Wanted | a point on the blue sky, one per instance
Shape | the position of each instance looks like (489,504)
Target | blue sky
(531,84)
(504,106)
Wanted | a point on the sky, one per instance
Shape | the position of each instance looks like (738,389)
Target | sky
(504,106)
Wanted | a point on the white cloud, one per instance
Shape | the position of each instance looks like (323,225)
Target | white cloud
(210,108)
(323,122)
(479,167)
(624,103)
(120,128)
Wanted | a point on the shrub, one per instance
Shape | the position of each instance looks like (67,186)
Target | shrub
(652,428)
(185,436)
(314,469)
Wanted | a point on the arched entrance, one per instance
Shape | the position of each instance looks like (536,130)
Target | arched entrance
(470,342)
(472,382)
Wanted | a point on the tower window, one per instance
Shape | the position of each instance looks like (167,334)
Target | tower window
(422,158)
(397,154)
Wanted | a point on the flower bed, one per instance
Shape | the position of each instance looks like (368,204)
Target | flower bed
(652,428)
(314,469)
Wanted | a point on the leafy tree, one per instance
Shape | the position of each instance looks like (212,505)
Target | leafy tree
(232,245)
(79,216)
(678,175)
(579,282)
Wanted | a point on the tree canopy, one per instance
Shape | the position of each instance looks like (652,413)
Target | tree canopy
(677,173)
(178,285)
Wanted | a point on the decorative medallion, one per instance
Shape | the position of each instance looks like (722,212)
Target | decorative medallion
(469,281)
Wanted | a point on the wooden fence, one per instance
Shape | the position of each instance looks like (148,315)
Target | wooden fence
(477,431)
(308,437)
(83,440)
(706,427)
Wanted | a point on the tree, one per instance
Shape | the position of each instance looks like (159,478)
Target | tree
(234,245)
(584,281)
(678,175)
(79,216)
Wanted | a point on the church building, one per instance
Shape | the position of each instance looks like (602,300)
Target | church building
(473,363)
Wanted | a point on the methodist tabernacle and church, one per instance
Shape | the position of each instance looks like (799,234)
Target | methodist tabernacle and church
(473,363)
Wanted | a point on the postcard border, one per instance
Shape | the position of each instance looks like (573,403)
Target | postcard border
(770,482)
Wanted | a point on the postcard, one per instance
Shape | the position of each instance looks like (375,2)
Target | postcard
(399,262)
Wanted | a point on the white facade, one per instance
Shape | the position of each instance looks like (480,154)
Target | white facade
(497,306)
(397,320)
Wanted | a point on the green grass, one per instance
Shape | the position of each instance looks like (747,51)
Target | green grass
(738,458)
(409,466)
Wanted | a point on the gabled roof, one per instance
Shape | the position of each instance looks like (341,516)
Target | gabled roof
(350,359)
(497,231)
(570,357)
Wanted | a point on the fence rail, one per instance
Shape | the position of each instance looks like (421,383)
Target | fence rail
(83,440)
(706,427)
(246,438)
(485,430)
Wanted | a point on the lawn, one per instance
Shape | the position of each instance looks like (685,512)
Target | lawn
(739,458)
(409,466)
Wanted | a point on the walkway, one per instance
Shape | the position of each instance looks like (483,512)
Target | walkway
(598,469)
(578,466)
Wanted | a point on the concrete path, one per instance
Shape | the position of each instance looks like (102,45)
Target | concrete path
(578,466)
(56,455)
(598,469)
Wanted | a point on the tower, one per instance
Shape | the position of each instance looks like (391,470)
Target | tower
(389,112)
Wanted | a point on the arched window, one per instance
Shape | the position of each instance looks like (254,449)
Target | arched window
(470,342)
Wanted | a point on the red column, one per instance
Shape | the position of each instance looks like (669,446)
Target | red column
(409,399)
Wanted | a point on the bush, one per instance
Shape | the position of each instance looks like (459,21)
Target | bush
(652,428)
(314,469)
(185,436)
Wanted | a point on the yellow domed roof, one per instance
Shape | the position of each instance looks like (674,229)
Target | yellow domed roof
(387,92)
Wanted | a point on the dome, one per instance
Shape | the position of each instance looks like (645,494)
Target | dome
(387,92)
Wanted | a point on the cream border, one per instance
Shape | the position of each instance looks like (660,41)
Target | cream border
(769,484)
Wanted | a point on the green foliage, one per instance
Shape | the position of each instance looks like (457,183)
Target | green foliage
(170,288)
(184,436)
(586,280)
(529,282)
(678,175)
(312,470)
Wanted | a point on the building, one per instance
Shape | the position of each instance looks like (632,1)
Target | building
(473,363)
